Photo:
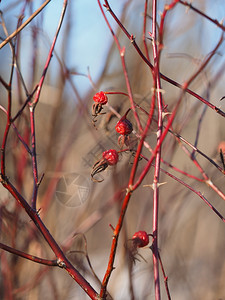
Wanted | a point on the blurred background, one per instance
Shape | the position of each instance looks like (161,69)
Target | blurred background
(78,211)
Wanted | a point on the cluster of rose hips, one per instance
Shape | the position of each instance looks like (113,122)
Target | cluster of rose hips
(123,127)
(110,157)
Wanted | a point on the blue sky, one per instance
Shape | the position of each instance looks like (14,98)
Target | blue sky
(90,37)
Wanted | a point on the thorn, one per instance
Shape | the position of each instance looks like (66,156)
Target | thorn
(107,7)
(132,38)
(164,114)
(222,159)
(38,212)
(122,52)
(39,182)
(150,34)
(222,20)
(129,189)
(153,90)
(61,263)
(154,184)
(209,182)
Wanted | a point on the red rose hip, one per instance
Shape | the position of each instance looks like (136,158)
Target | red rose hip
(110,156)
(141,239)
(100,98)
(124,126)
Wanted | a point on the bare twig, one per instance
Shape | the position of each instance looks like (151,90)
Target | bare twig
(18,30)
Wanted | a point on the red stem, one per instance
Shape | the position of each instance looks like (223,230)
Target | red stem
(197,193)
(165,278)
(216,22)
(28,256)
(126,202)
(156,56)
(62,260)
(7,278)
(144,31)
(122,54)
(32,105)
(34,157)
(162,76)
(8,122)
